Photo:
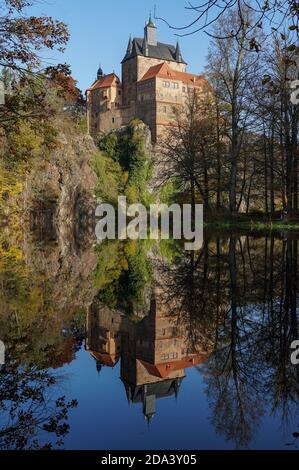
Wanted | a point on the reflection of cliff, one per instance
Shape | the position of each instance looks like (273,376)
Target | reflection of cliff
(45,291)
(153,353)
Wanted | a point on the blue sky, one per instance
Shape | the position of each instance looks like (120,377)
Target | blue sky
(100,30)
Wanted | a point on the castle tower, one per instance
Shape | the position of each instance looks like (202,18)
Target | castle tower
(143,53)
(154,80)
(150,33)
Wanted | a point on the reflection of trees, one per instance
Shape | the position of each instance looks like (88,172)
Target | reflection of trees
(29,409)
(192,292)
(239,295)
(122,275)
(42,326)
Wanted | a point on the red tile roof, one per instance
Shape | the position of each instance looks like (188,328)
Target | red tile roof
(105,82)
(105,359)
(164,71)
(164,369)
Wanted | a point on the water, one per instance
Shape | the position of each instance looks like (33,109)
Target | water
(137,346)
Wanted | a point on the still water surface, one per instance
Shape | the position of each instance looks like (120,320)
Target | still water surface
(135,346)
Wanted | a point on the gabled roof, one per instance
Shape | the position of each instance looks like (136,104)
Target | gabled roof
(160,51)
(105,359)
(161,70)
(105,82)
(164,71)
(164,369)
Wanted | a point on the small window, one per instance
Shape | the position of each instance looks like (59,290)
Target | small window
(164,109)
(119,92)
(164,357)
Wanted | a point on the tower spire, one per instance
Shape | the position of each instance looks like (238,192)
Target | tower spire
(130,45)
(100,73)
(150,32)
(145,46)
(178,54)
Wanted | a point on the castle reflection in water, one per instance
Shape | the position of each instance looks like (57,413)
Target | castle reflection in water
(154,351)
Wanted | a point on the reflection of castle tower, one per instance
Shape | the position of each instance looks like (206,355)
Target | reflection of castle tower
(154,352)
(103,339)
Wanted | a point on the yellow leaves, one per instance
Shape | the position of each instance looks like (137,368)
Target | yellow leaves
(24,143)
(131,194)
(10,184)
(130,248)
(12,252)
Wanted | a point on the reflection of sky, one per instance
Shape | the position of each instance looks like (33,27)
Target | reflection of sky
(105,420)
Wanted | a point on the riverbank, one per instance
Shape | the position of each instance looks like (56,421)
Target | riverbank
(251,222)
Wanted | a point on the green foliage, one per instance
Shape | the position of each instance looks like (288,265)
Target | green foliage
(122,273)
(109,144)
(169,192)
(140,169)
(111,263)
(169,250)
(136,277)
(110,178)
(82,124)
(127,149)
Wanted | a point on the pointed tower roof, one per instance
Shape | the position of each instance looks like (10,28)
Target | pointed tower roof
(145,46)
(130,45)
(129,49)
(150,22)
(178,54)
(149,46)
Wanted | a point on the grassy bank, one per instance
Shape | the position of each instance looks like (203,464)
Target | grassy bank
(250,223)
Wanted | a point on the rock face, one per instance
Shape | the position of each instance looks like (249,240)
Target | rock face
(60,191)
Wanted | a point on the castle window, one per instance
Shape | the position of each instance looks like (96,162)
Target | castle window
(119,92)
(113,121)
(184,89)
(164,109)
(164,357)
(173,355)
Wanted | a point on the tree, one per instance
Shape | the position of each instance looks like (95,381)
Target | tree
(231,69)
(23,37)
(267,15)
(189,150)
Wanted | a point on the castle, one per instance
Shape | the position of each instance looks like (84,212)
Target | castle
(154,80)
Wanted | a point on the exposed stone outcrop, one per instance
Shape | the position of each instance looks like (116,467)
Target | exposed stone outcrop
(59,193)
